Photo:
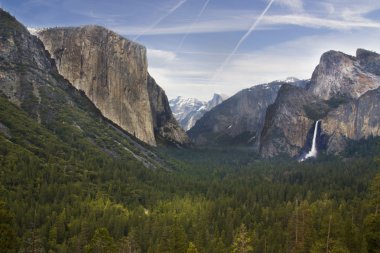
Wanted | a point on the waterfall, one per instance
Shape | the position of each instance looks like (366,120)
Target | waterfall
(313,151)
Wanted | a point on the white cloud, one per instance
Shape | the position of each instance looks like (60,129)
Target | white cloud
(161,55)
(295,5)
(316,22)
(241,21)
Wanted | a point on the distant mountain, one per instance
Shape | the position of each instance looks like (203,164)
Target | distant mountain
(238,120)
(188,110)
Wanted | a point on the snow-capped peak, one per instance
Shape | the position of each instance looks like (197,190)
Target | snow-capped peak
(34,31)
(290,79)
(188,110)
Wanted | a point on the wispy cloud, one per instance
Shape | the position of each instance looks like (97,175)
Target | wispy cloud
(161,55)
(316,22)
(240,22)
(190,28)
(158,21)
(245,36)
(295,5)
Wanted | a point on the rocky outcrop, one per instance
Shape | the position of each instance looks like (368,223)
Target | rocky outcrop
(112,71)
(342,75)
(164,123)
(354,120)
(238,120)
(287,122)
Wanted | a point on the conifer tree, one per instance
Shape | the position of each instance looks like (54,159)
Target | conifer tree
(191,248)
(242,241)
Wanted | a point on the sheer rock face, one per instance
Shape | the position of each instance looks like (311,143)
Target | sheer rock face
(238,120)
(354,120)
(287,124)
(111,70)
(341,75)
(164,123)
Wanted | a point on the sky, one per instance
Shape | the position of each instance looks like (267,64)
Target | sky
(200,47)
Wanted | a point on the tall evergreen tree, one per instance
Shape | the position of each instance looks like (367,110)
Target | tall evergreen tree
(191,248)
(242,241)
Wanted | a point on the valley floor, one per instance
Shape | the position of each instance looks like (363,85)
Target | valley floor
(213,201)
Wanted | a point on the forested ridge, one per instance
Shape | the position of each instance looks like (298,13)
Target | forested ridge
(61,192)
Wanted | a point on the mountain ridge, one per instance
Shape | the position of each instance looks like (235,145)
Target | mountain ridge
(237,120)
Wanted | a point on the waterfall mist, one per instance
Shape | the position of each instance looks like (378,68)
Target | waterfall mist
(313,151)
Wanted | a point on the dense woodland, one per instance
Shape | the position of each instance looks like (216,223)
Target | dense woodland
(61,193)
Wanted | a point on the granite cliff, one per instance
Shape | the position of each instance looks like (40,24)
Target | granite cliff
(357,119)
(286,122)
(342,75)
(112,71)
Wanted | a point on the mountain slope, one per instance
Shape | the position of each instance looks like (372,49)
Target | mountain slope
(112,72)
(238,120)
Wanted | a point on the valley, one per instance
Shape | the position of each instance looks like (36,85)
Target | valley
(94,157)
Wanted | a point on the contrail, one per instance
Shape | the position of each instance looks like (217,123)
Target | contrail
(190,28)
(246,35)
(179,4)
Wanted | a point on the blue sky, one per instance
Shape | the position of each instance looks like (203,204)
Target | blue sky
(190,42)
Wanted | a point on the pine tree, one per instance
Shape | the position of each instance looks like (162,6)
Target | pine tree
(180,241)
(101,242)
(192,248)
(242,241)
